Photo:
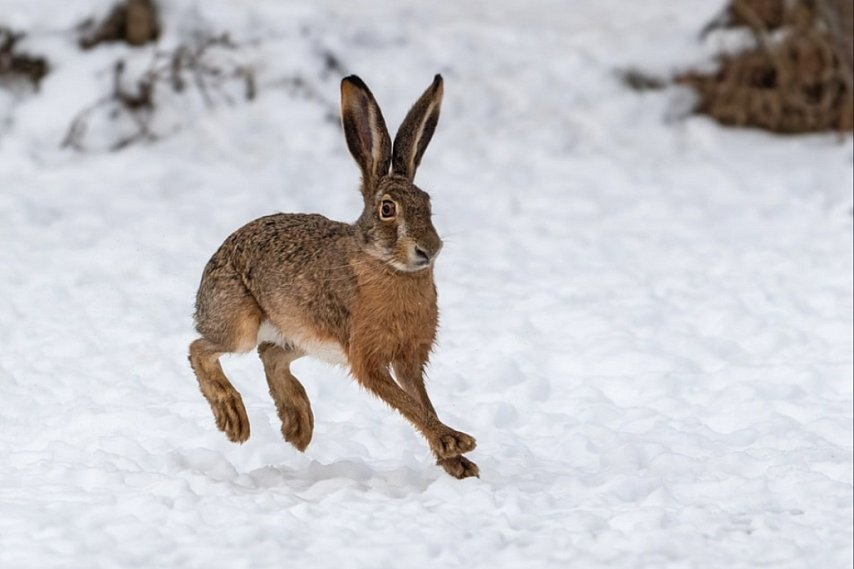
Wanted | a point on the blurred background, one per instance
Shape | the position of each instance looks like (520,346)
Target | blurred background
(646,289)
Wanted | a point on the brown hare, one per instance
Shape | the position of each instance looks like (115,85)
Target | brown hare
(360,294)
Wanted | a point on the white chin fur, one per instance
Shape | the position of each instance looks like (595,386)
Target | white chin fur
(407,268)
(329,352)
(392,262)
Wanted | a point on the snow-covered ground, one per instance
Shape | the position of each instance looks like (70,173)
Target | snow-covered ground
(646,318)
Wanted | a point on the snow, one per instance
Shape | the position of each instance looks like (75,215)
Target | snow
(646,317)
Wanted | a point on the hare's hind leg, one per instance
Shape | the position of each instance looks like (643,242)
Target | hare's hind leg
(224,399)
(228,318)
(292,403)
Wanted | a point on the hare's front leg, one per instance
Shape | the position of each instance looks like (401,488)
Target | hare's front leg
(409,372)
(446,443)
(292,403)
(459,467)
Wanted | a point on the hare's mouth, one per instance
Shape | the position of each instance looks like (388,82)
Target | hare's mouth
(409,258)
(412,263)
(410,267)
(402,263)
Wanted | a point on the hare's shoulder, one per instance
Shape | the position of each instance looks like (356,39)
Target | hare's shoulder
(273,250)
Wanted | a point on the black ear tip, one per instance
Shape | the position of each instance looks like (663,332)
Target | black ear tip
(437,80)
(354,80)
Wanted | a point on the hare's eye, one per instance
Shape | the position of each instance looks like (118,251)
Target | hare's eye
(387,209)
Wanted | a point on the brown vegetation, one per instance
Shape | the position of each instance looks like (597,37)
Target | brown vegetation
(16,65)
(192,65)
(135,22)
(796,78)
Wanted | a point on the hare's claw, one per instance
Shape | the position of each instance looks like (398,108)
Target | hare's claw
(452,444)
(459,467)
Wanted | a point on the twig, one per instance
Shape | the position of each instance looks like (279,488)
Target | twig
(186,63)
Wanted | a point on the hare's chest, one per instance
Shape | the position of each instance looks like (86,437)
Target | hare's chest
(396,318)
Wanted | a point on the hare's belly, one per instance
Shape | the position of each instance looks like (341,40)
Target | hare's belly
(298,337)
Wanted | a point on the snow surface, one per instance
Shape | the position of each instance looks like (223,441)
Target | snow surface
(646,318)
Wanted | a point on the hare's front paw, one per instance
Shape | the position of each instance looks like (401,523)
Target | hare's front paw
(230,415)
(459,467)
(451,443)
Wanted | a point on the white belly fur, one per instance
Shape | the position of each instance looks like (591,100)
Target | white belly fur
(329,352)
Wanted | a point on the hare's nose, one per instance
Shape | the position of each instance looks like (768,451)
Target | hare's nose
(421,256)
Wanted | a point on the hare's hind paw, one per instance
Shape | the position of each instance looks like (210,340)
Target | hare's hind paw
(231,418)
(298,425)
(459,467)
(453,443)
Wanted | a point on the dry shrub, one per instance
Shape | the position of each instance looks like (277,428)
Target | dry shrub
(135,22)
(201,66)
(16,66)
(796,79)
(770,14)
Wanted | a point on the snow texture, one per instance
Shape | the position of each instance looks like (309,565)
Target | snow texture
(646,317)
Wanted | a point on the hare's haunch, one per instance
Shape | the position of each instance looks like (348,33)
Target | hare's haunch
(359,294)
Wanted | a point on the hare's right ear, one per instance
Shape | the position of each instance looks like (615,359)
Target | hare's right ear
(415,132)
(364,127)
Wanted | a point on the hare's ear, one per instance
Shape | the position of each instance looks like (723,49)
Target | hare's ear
(364,127)
(415,132)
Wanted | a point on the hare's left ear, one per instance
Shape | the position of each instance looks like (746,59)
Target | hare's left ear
(415,132)
(365,131)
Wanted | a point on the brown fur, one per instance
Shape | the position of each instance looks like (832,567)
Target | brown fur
(365,290)
(291,400)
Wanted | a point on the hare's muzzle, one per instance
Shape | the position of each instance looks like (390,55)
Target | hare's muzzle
(422,258)
(425,251)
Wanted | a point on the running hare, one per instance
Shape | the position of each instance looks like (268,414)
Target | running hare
(360,294)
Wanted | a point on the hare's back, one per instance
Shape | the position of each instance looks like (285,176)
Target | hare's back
(288,240)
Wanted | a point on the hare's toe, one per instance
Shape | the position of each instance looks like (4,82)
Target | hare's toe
(453,443)
(231,418)
(459,467)
(298,425)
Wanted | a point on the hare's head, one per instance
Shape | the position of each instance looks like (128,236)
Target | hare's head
(395,225)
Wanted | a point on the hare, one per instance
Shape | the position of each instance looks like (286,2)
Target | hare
(359,294)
